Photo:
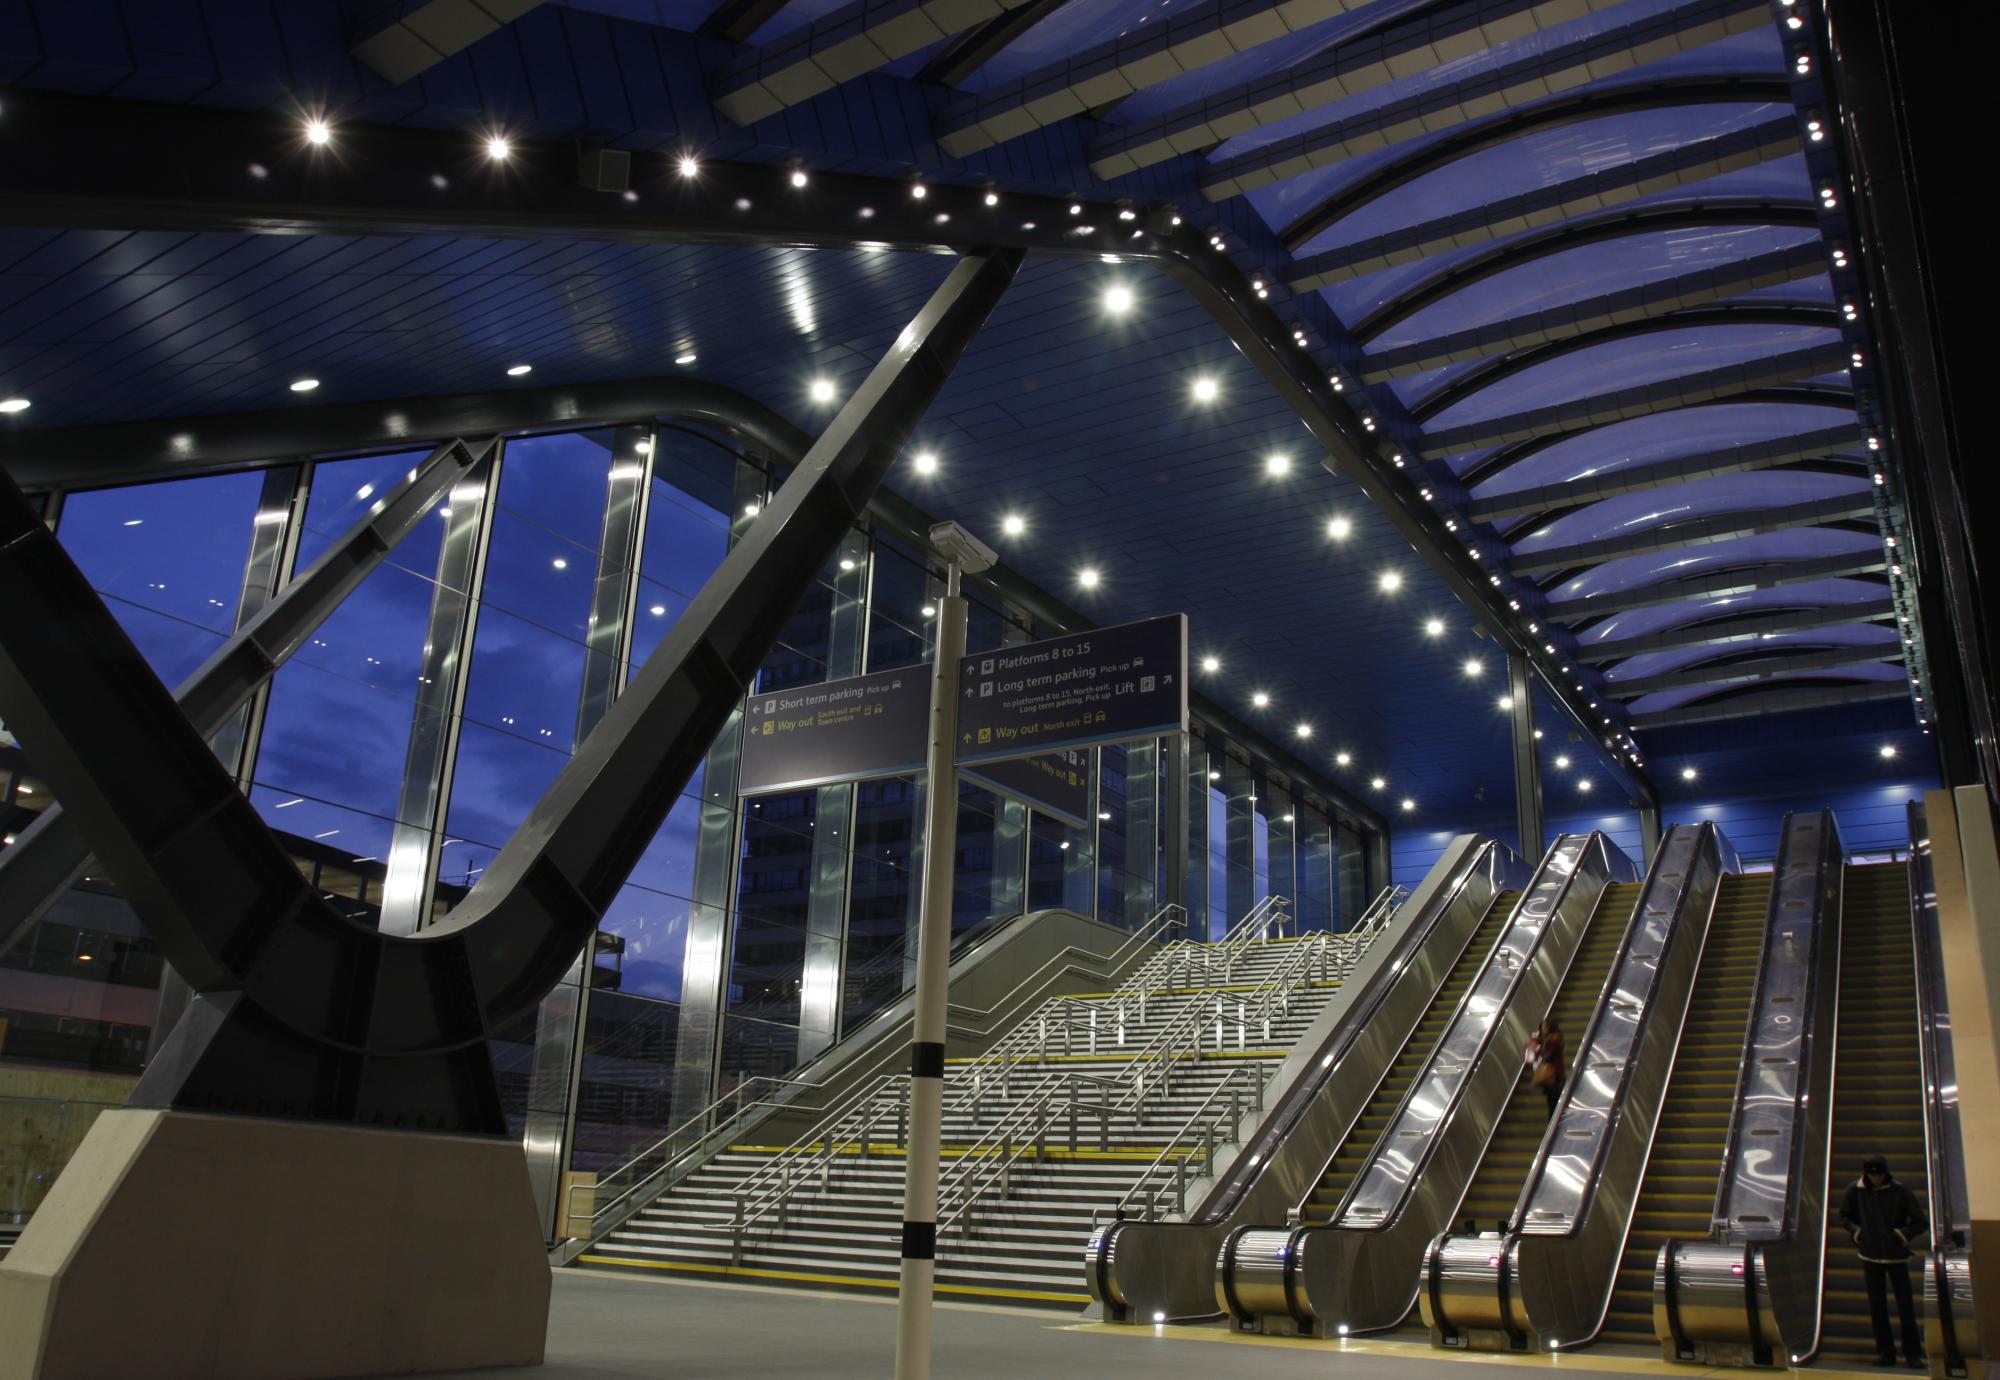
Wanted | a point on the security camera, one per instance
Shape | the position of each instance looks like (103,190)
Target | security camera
(962,549)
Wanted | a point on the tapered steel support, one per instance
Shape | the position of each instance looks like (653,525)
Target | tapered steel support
(1527,762)
(302,1013)
(52,854)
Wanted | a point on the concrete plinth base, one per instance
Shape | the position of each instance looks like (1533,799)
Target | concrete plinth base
(182,1245)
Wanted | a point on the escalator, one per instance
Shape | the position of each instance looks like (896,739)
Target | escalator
(1677,1196)
(1374,1119)
(1510,1154)
(1878,1084)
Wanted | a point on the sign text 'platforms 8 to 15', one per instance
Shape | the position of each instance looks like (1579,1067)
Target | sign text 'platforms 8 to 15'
(1101,686)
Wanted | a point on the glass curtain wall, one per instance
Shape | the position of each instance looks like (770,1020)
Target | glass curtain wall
(402,747)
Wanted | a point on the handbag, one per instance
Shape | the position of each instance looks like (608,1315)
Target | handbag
(1543,1076)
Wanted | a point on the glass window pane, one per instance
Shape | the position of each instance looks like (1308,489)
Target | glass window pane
(168,559)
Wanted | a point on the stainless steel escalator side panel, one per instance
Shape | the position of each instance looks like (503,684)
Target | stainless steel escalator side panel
(1950,1324)
(1769,1221)
(1363,1272)
(1140,1272)
(1550,1281)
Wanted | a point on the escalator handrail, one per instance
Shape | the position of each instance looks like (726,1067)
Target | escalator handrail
(1472,1061)
(1944,1147)
(1615,1100)
(1339,1044)
(1828,859)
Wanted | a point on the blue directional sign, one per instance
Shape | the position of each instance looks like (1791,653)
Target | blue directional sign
(1103,686)
(843,730)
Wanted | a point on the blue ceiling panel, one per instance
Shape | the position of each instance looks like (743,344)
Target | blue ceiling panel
(1624,363)
(1664,436)
(1806,595)
(1724,494)
(1543,158)
(1737,553)
(1846,635)
(1590,270)
(187,324)
(1860,674)
(1784,179)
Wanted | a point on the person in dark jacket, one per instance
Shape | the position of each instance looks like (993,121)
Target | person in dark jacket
(1543,1056)
(1885,1220)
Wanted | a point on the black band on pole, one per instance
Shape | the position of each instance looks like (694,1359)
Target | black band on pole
(920,1241)
(927,1059)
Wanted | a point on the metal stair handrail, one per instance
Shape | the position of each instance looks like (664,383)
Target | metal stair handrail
(1007,1048)
(810,1158)
(817,1143)
(990,1160)
(1173,1160)
(1381,910)
(700,1118)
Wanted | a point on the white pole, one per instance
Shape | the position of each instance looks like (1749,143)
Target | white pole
(920,1181)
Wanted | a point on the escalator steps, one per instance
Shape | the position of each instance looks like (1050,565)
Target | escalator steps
(1878,1082)
(1496,1188)
(1374,1118)
(1677,1195)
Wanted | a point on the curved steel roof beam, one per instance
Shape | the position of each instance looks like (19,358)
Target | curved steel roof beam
(1663,474)
(1748,702)
(1513,252)
(1717,584)
(1593,191)
(1697,531)
(1705,628)
(1557,65)
(1458,389)
(1654,297)
(1553,114)
(1729,668)
(1641,400)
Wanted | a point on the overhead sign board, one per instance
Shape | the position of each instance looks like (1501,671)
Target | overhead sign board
(843,730)
(1101,686)
(1057,783)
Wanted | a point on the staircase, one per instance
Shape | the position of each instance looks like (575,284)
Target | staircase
(1076,1109)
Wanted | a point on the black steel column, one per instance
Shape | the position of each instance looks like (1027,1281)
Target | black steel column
(1527,761)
